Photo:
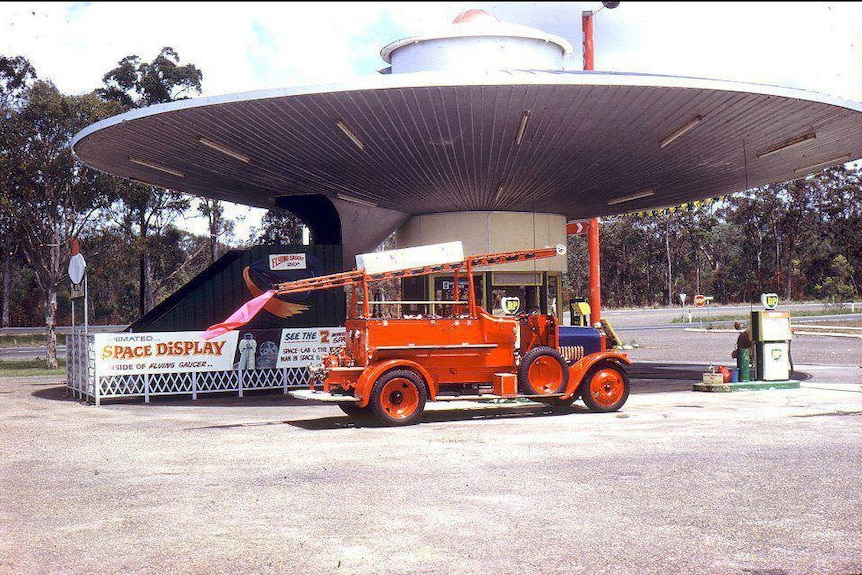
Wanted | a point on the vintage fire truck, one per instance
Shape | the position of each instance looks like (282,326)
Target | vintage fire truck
(391,366)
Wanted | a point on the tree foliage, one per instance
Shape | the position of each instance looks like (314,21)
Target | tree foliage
(16,75)
(144,211)
(220,228)
(136,84)
(784,238)
(51,197)
(279,227)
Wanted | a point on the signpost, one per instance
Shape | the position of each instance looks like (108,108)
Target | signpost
(78,276)
(682,302)
(77,273)
(700,301)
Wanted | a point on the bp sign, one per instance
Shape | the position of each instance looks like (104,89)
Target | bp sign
(769,300)
(511,305)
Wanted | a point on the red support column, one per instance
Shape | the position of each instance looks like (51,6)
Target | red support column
(595,272)
(595,298)
(587,24)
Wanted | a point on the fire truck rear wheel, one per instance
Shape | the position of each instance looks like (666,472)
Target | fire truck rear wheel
(542,371)
(605,388)
(398,398)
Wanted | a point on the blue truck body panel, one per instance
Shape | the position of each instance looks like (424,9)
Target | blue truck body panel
(586,337)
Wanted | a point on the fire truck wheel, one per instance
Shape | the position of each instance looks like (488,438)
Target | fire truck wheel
(605,388)
(543,371)
(398,397)
(358,414)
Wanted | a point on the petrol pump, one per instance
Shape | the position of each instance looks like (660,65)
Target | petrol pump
(770,331)
(579,312)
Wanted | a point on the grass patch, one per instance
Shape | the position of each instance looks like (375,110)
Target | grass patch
(27,367)
(28,340)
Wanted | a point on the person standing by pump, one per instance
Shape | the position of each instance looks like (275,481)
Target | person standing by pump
(744,351)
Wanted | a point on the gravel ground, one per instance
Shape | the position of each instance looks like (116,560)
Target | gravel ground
(760,482)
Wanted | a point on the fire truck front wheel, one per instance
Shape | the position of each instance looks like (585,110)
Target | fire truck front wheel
(542,371)
(605,388)
(398,398)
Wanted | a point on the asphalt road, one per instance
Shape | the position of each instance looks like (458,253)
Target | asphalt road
(28,352)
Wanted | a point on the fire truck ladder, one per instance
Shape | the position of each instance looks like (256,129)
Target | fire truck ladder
(358,278)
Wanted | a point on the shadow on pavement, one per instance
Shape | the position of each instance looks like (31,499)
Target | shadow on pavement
(666,377)
(452,415)
(251,398)
(57,393)
(653,377)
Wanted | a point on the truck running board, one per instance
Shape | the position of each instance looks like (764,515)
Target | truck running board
(331,398)
(487,396)
(321,396)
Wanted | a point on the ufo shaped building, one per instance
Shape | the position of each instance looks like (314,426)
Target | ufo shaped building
(475,132)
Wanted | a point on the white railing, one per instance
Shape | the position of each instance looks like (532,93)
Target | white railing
(84,383)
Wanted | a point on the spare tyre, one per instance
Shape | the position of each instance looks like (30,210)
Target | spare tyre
(543,371)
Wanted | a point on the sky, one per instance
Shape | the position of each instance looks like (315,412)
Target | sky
(246,46)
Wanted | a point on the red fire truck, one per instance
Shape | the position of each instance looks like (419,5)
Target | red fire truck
(391,366)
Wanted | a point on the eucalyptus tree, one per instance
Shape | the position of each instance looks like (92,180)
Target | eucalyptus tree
(839,192)
(55,198)
(279,226)
(218,225)
(16,75)
(142,210)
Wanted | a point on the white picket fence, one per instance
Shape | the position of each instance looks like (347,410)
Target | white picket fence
(84,384)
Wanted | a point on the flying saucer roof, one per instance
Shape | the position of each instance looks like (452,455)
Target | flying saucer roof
(580,144)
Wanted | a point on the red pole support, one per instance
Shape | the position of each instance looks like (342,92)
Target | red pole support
(593,230)
(587,25)
(595,269)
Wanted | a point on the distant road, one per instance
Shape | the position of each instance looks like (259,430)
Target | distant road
(34,351)
(661,318)
(60,329)
(29,352)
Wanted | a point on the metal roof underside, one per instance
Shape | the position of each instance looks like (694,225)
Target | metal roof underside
(434,142)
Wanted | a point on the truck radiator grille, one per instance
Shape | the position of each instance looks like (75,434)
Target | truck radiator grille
(572,352)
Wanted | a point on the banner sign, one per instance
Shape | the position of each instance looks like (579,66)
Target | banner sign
(166,352)
(306,346)
(183,351)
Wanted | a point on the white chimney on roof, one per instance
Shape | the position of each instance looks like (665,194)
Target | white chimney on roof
(477,40)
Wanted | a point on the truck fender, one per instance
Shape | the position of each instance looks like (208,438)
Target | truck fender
(580,368)
(373,372)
